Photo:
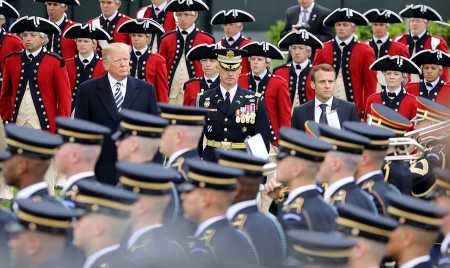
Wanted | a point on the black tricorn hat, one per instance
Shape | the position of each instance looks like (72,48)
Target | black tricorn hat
(263,49)
(7,10)
(34,24)
(231,16)
(395,63)
(147,26)
(300,37)
(186,5)
(382,16)
(429,56)
(86,31)
(345,14)
(420,11)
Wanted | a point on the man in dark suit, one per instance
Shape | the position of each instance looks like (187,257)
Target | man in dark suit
(308,15)
(100,100)
(324,105)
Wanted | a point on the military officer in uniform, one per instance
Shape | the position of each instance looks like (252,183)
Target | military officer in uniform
(339,166)
(301,45)
(176,44)
(145,64)
(196,86)
(418,38)
(368,173)
(157,11)
(410,243)
(36,86)
(243,214)
(100,230)
(40,232)
(30,153)
(109,20)
(350,58)
(370,231)
(138,136)
(395,172)
(234,113)
(206,196)
(77,157)
(150,242)
(269,88)
(299,159)
(380,21)
(86,64)
(233,24)
(432,63)
(56,10)
(311,249)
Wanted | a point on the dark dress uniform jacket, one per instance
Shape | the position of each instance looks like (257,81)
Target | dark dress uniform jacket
(264,231)
(379,189)
(95,102)
(350,193)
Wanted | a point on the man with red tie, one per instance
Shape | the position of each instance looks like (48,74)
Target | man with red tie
(195,87)
(418,38)
(36,86)
(381,43)
(432,87)
(233,23)
(394,95)
(301,45)
(157,11)
(146,65)
(110,20)
(270,88)
(351,59)
(175,45)
(56,11)
(86,64)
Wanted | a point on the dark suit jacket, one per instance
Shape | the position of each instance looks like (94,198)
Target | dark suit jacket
(346,112)
(316,18)
(95,103)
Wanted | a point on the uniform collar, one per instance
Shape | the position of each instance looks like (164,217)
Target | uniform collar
(383,39)
(89,58)
(161,7)
(140,50)
(420,35)
(346,41)
(235,208)
(30,190)
(232,92)
(175,155)
(396,91)
(204,225)
(136,235)
(235,37)
(74,178)
(317,102)
(433,83)
(335,186)
(368,175)
(262,75)
(298,191)
(112,17)
(212,79)
(414,262)
(189,30)
(93,257)
(61,20)
(36,53)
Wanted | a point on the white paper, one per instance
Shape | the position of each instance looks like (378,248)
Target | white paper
(333,119)
(257,147)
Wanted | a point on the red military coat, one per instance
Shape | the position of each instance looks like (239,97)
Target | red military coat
(427,41)
(359,81)
(404,103)
(239,43)
(274,90)
(391,48)
(112,31)
(167,19)
(9,43)
(300,85)
(53,94)
(66,47)
(440,93)
(195,87)
(172,47)
(78,73)
(151,68)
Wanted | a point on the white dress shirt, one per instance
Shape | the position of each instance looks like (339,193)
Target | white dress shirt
(93,257)
(135,236)
(232,92)
(75,178)
(113,81)
(61,20)
(346,41)
(188,30)
(112,17)
(396,91)
(161,7)
(318,110)
(368,175)
(299,190)
(335,186)
(303,65)
(235,37)
(415,261)
(175,155)
(235,208)
(30,190)
(308,11)
(34,53)
(204,225)
(433,84)
(382,39)
(89,58)
(140,50)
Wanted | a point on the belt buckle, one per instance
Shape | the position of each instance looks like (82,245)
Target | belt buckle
(225,144)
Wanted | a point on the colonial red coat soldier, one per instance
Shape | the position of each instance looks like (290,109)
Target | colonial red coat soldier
(36,87)
(145,64)
(233,23)
(301,45)
(110,20)
(86,64)
(56,13)
(381,43)
(394,95)
(432,87)
(195,87)
(350,58)
(270,88)
(157,11)
(418,38)
(175,45)
(8,42)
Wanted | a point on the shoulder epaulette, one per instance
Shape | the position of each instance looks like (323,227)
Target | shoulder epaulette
(58,57)
(206,33)
(193,79)
(168,33)
(280,67)
(12,53)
